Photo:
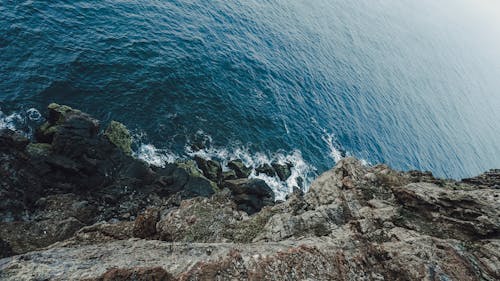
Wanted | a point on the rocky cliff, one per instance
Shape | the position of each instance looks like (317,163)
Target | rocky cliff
(74,205)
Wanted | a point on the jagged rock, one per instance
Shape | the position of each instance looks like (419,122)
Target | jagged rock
(282,170)
(119,135)
(210,168)
(186,178)
(251,195)
(20,187)
(229,175)
(239,168)
(136,274)
(265,169)
(355,222)
(145,224)
(490,179)
(76,176)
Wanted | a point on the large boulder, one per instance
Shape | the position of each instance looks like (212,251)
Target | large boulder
(119,135)
(210,168)
(20,186)
(282,170)
(251,195)
(184,177)
(239,168)
(266,169)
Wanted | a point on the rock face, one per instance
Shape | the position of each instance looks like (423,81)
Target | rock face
(74,216)
(354,223)
(75,175)
(251,195)
(239,168)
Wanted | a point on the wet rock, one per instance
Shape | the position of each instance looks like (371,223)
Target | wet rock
(197,146)
(282,170)
(9,138)
(251,195)
(76,175)
(239,168)
(266,169)
(210,168)
(355,222)
(229,175)
(186,178)
(119,135)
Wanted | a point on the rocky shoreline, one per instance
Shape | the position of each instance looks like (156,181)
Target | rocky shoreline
(75,205)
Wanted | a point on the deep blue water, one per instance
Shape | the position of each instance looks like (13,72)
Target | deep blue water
(414,84)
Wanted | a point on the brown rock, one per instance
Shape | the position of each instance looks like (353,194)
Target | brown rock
(145,224)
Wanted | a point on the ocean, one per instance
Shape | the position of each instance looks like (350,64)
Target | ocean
(412,84)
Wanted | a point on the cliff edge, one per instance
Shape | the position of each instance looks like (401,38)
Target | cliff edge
(76,206)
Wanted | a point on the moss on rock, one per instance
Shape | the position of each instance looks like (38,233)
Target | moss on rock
(58,113)
(119,135)
(38,149)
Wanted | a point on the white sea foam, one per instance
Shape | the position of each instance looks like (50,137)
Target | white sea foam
(330,140)
(301,170)
(155,156)
(336,153)
(20,121)
(9,121)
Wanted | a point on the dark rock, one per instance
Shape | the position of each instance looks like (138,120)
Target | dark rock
(251,195)
(283,171)
(229,175)
(5,249)
(186,178)
(210,168)
(9,138)
(76,175)
(266,169)
(20,186)
(197,146)
(239,168)
(119,135)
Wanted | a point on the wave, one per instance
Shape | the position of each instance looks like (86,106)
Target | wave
(330,140)
(302,173)
(22,121)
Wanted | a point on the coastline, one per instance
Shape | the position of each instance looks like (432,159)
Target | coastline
(78,192)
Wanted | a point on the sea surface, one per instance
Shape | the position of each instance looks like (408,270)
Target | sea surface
(413,84)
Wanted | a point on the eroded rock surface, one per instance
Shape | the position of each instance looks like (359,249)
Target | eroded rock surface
(354,223)
(73,175)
